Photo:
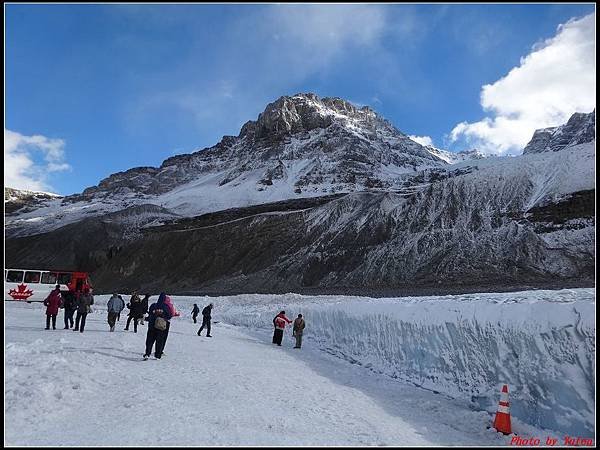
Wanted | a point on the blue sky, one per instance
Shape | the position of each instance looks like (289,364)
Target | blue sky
(95,89)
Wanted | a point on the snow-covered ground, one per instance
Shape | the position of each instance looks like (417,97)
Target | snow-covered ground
(352,383)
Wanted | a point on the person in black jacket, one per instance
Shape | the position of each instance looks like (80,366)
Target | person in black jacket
(84,307)
(70,305)
(144,308)
(158,312)
(206,320)
(136,311)
(195,312)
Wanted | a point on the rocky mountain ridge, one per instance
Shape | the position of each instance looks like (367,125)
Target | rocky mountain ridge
(300,146)
(579,129)
(489,222)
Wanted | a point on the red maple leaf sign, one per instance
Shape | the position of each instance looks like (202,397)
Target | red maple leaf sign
(22,293)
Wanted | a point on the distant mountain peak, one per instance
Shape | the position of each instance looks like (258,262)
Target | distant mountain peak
(580,128)
(455,157)
(303,112)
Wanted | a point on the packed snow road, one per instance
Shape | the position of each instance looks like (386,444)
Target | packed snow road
(236,388)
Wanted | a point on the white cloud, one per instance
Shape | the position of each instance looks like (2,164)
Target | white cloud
(271,51)
(310,37)
(555,80)
(423,140)
(30,160)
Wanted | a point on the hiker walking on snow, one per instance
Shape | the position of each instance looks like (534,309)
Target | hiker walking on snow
(53,303)
(279,321)
(195,312)
(114,307)
(298,330)
(206,312)
(158,316)
(136,308)
(84,307)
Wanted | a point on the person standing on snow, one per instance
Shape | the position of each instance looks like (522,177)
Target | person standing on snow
(298,330)
(144,307)
(84,307)
(279,321)
(274,328)
(119,314)
(195,312)
(114,307)
(158,316)
(70,305)
(136,307)
(52,303)
(206,316)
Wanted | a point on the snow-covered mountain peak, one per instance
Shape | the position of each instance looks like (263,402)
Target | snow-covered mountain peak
(298,113)
(300,146)
(580,128)
(11,194)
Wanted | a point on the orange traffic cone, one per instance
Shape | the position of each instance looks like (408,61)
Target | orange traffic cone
(502,420)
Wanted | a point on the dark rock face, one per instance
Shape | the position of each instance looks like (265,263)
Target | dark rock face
(87,244)
(580,128)
(452,235)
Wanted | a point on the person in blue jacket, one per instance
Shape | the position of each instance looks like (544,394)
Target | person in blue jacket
(158,316)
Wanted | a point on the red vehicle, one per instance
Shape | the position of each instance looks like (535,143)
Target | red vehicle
(35,285)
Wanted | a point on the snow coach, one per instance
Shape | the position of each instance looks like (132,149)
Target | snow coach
(34,285)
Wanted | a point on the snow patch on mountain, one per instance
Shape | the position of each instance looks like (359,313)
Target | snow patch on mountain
(455,157)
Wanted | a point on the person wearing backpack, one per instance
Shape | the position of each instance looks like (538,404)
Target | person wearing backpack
(114,307)
(52,303)
(174,313)
(158,316)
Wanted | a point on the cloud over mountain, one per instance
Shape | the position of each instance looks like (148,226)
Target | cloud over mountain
(551,83)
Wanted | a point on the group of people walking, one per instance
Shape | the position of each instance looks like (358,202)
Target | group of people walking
(137,306)
(79,301)
(159,315)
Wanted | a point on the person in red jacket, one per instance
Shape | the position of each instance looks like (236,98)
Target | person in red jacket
(279,322)
(52,303)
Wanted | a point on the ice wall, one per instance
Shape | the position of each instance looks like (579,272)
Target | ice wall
(540,343)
